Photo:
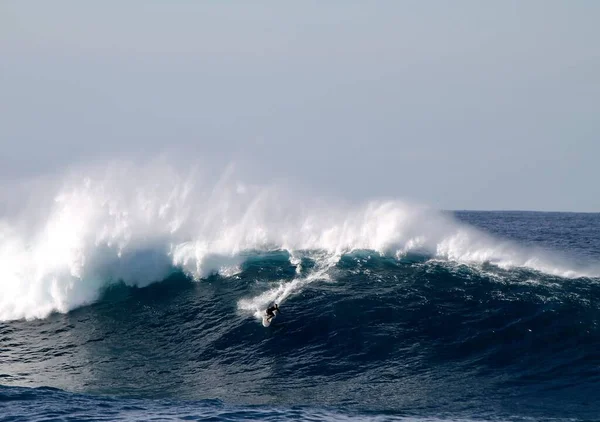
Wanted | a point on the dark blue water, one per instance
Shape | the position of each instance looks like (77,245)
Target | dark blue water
(379,338)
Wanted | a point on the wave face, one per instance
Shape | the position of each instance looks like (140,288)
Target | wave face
(388,309)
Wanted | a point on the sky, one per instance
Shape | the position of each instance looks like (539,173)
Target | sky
(458,105)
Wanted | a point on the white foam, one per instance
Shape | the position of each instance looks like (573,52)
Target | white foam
(278,294)
(135,223)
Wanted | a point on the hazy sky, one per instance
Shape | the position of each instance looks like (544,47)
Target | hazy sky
(460,105)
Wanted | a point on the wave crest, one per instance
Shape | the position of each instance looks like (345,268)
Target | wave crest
(137,224)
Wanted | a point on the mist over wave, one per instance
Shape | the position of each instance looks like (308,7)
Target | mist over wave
(138,224)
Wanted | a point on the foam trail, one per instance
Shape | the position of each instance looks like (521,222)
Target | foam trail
(258,304)
(139,223)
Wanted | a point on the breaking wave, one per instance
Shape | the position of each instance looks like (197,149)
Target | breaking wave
(138,224)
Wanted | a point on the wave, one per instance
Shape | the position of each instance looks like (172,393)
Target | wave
(418,336)
(138,224)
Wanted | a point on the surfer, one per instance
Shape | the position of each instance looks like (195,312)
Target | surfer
(271,312)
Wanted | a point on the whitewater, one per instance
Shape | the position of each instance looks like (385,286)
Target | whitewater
(133,291)
(137,224)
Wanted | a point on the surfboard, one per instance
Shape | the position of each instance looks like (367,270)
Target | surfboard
(266,322)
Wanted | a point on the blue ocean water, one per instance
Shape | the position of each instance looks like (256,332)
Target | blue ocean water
(501,325)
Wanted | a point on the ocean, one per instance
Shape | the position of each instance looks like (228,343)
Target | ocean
(121,303)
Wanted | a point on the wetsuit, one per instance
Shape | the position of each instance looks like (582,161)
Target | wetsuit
(271,311)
